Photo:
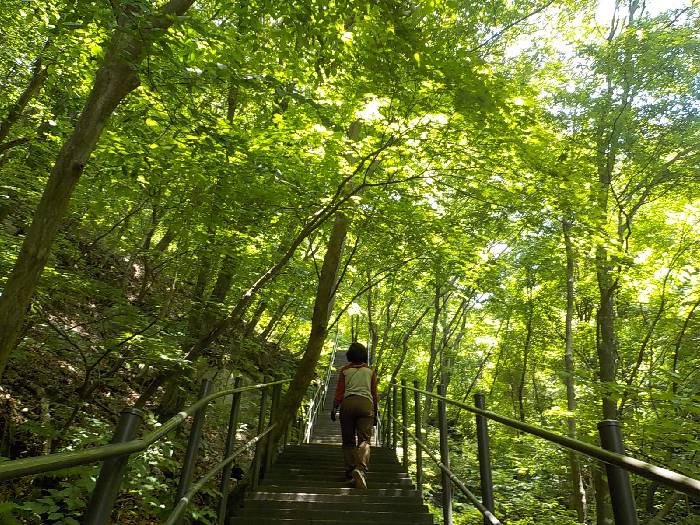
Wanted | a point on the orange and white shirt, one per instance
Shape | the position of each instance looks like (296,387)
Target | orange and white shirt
(356,379)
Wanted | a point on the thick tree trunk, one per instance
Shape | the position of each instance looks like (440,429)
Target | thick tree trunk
(578,493)
(607,146)
(607,342)
(241,306)
(115,79)
(319,324)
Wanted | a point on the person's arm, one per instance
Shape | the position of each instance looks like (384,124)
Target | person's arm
(339,393)
(375,396)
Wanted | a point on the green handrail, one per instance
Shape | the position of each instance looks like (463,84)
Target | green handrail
(492,520)
(181,506)
(665,476)
(38,465)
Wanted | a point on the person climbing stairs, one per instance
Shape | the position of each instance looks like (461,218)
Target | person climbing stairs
(307,484)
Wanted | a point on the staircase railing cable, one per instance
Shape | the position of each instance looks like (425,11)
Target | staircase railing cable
(319,397)
(618,464)
(124,443)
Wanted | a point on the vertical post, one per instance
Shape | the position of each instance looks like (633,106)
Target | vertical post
(107,488)
(419,435)
(623,504)
(404,424)
(300,429)
(387,426)
(190,460)
(230,442)
(287,433)
(482,438)
(270,443)
(444,458)
(394,413)
(255,477)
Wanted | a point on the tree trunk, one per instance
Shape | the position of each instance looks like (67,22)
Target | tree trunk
(319,324)
(145,247)
(250,326)
(389,321)
(404,343)
(115,79)
(607,147)
(276,318)
(666,509)
(578,493)
(603,510)
(430,375)
(607,343)
(677,347)
(526,355)
(39,75)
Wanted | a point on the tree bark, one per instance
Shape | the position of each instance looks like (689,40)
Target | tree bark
(677,346)
(39,75)
(276,318)
(603,510)
(404,343)
(607,149)
(578,493)
(666,509)
(257,314)
(430,374)
(115,79)
(319,324)
(526,355)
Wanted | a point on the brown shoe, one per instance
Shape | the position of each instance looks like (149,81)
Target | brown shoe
(359,477)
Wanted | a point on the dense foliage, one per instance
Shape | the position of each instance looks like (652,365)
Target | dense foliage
(497,196)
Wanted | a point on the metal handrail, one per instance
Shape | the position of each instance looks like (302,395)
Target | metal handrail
(319,396)
(182,504)
(493,520)
(38,465)
(662,475)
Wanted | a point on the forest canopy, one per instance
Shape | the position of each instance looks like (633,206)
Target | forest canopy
(499,197)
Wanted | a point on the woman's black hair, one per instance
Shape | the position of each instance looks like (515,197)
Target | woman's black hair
(357,353)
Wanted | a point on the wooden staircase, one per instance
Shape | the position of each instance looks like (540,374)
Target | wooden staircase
(306,485)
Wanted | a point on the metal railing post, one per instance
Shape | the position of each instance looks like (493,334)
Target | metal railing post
(386,441)
(482,438)
(105,493)
(287,433)
(404,421)
(419,435)
(623,504)
(230,442)
(394,412)
(255,477)
(269,441)
(190,460)
(444,458)
(300,427)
